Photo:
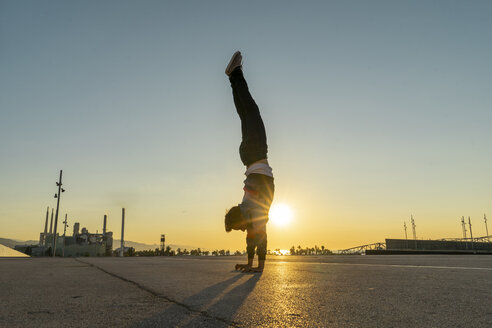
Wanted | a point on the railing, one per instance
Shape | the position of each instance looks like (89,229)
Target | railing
(484,239)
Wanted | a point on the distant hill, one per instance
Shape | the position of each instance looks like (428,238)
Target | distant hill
(116,244)
(12,242)
(144,247)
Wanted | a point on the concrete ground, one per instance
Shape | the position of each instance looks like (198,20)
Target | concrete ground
(325,291)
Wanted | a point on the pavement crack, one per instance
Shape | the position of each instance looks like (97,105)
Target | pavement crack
(40,312)
(158,295)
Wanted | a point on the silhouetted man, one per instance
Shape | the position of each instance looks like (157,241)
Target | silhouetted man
(252,214)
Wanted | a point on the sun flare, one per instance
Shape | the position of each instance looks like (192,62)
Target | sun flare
(280,214)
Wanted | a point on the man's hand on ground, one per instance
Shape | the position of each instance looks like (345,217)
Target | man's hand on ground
(243,267)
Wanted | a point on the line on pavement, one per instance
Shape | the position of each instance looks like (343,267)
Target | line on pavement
(363,264)
(155,294)
(397,265)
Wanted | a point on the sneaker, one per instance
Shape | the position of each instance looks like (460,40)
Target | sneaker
(236,61)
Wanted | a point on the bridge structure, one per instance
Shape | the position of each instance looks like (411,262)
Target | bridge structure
(444,244)
(362,249)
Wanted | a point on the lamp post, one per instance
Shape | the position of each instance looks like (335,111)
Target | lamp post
(57,196)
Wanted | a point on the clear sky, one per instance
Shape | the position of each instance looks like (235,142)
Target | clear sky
(374,110)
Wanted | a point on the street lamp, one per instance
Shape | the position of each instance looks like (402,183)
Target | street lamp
(57,196)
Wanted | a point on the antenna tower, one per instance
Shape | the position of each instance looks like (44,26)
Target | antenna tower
(413,227)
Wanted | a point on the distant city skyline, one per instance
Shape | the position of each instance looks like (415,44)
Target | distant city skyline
(375,111)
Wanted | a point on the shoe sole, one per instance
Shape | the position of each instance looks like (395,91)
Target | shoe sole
(232,63)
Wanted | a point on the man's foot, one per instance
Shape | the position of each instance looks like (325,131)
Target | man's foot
(248,268)
(235,62)
(254,269)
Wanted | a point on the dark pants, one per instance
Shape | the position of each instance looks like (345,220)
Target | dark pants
(254,144)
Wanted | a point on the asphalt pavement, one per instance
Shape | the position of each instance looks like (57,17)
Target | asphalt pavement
(293,291)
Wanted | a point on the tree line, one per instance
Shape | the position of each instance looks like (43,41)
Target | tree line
(168,251)
(310,250)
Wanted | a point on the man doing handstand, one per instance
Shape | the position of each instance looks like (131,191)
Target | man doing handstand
(252,214)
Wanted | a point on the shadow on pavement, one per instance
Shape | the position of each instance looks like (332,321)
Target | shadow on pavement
(212,307)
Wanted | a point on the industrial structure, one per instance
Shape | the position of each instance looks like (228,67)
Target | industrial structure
(81,243)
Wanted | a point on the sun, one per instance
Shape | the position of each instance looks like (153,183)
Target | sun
(280,214)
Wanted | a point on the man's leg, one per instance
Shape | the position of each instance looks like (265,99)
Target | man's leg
(253,146)
(240,87)
(241,112)
(250,248)
(261,251)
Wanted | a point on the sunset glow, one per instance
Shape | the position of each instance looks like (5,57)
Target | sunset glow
(280,214)
(375,113)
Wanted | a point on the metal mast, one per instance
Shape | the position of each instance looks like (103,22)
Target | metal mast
(463,226)
(413,227)
(414,230)
(471,233)
(486,227)
(406,237)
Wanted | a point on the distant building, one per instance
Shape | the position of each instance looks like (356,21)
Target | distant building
(480,245)
(438,245)
(420,246)
(81,243)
